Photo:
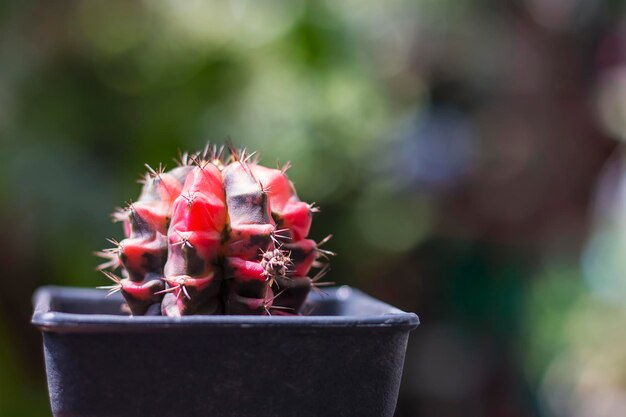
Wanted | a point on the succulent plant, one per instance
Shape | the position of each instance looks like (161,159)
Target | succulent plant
(218,234)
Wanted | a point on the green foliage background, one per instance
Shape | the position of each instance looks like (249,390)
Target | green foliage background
(453,147)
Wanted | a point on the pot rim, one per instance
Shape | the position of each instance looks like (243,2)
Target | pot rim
(48,320)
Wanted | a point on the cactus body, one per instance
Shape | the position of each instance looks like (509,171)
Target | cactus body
(215,236)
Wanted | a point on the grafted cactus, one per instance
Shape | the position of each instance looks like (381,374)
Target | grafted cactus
(215,235)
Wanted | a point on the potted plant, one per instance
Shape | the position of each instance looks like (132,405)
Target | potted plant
(213,314)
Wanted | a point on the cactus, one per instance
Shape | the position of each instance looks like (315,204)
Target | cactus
(215,235)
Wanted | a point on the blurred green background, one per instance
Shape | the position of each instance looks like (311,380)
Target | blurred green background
(466,156)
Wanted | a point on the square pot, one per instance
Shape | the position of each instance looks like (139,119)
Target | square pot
(343,359)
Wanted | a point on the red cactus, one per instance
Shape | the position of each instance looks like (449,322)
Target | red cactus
(215,236)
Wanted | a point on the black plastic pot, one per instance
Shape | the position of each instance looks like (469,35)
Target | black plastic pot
(343,359)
